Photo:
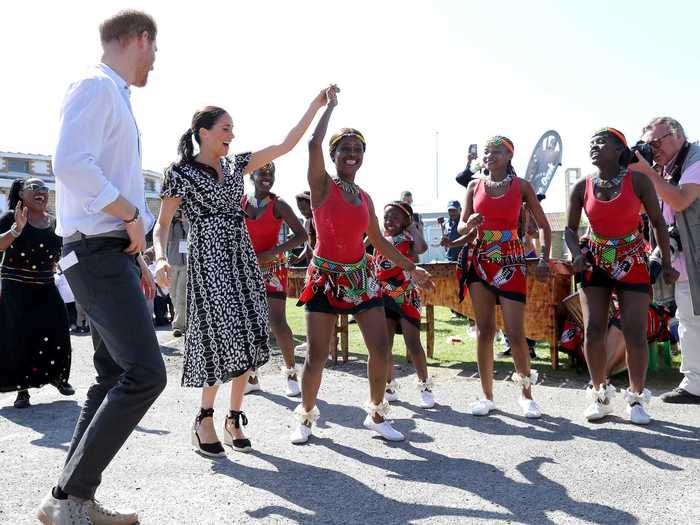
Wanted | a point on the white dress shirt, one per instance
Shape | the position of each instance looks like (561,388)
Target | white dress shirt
(98,155)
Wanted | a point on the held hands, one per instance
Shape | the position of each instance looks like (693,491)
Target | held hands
(580,264)
(328,96)
(21,213)
(163,273)
(423,279)
(445,242)
(542,271)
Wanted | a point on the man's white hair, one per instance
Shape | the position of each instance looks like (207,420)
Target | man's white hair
(673,125)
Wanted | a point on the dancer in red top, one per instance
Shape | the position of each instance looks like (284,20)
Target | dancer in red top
(612,257)
(493,267)
(341,278)
(265,214)
(401,299)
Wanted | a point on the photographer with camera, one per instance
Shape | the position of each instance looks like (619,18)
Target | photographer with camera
(678,187)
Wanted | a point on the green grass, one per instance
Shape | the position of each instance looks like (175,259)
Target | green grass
(463,356)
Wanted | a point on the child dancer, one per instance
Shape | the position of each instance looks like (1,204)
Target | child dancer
(401,300)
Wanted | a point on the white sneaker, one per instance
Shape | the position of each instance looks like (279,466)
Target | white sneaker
(71,511)
(391,395)
(636,403)
(301,434)
(384,429)
(637,415)
(99,515)
(529,407)
(252,387)
(303,347)
(601,405)
(426,399)
(597,410)
(481,407)
(293,388)
(391,392)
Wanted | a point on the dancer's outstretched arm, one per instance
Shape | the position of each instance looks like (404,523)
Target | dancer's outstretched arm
(267,155)
(317,175)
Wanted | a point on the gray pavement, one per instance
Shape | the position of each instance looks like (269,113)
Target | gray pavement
(453,468)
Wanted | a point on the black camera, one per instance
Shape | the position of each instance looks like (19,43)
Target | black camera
(674,239)
(644,150)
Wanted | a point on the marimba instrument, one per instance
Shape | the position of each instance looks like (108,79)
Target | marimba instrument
(541,319)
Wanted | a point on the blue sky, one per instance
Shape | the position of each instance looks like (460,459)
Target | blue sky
(467,69)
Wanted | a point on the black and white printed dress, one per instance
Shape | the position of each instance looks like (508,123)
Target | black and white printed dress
(227,313)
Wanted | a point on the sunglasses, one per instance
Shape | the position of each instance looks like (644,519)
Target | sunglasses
(35,186)
(656,143)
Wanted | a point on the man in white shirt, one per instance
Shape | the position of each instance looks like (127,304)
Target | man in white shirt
(102,217)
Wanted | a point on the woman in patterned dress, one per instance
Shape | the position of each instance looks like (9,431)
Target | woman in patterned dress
(35,346)
(341,278)
(227,317)
(265,213)
(401,300)
(493,268)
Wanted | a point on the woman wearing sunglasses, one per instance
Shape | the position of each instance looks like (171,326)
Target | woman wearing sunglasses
(35,345)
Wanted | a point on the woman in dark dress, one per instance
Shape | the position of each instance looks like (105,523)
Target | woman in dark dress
(35,345)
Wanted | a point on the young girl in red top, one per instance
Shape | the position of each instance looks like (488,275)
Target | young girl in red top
(401,300)
(493,267)
(341,278)
(265,214)
(612,257)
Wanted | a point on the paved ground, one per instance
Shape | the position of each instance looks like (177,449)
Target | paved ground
(453,468)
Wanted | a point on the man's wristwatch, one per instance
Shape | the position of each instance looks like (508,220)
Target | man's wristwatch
(134,218)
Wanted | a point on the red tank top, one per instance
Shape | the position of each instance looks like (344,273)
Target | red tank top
(499,213)
(265,230)
(386,269)
(614,218)
(340,227)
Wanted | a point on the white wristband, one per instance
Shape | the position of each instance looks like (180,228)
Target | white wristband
(14,232)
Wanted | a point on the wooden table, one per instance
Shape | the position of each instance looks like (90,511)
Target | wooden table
(541,320)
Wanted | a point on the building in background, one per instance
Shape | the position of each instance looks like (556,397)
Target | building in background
(20,165)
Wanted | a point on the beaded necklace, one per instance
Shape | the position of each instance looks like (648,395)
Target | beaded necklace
(349,187)
(499,184)
(608,183)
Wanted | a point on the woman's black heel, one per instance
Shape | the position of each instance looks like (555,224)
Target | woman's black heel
(241,445)
(214,450)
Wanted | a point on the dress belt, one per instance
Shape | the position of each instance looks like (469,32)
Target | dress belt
(112,234)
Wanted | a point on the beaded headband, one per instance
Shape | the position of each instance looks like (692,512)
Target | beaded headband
(400,206)
(612,131)
(500,140)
